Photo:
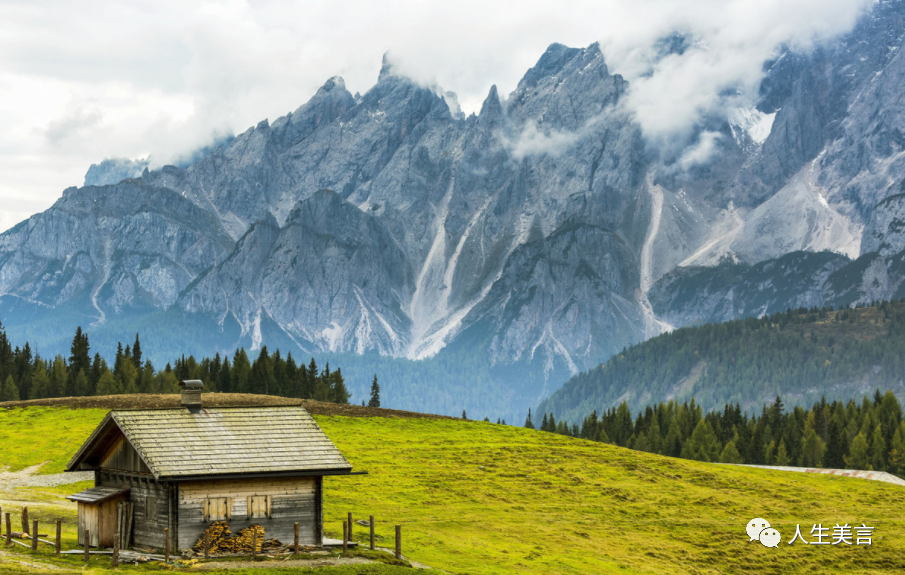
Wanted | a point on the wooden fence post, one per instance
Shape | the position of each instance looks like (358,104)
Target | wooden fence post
(9,530)
(116,537)
(25,519)
(166,544)
(345,535)
(207,544)
(56,546)
(372,532)
(296,538)
(399,542)
(350,527)
(87,539)
(34,536)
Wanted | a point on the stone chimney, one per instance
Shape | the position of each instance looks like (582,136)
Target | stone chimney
(191,393)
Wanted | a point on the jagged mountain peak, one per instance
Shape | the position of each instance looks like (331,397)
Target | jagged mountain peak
(565,90)
(491,108)
(386,67)
(550,63)
(334,83)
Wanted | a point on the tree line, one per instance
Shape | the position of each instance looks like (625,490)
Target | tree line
(869,435)
(802,354)
(24,374)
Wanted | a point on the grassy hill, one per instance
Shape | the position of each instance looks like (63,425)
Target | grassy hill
(481,498)
(801,355)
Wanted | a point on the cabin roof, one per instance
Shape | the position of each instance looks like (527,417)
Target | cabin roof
(98,494)
(179,444)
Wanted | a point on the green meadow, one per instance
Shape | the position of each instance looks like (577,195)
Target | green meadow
(481,498)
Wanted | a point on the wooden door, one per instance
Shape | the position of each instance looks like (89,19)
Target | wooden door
(88,519)
(107,522)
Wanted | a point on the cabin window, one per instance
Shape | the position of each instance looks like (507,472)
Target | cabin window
(217,509)
(259,507)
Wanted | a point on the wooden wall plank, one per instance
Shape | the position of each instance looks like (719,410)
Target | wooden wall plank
(286,500)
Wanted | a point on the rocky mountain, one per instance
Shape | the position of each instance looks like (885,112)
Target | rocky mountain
(521,244)
(114,170)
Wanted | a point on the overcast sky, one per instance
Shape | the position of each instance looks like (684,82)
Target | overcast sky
(81,81)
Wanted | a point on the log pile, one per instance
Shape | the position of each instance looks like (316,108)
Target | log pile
(223,541)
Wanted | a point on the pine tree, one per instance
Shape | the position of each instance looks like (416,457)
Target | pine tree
(311,377)
(890,415)
(654,440)
(98,366)
(640,442)
(23,370)
(241,372)
(40,382)
(702,445)
(528,423)
(166,382)
(897,451)
(812,449)
(770,453)
(81,387)
(148,383)
(877,449)
(835,446)
(58,377)
(858,456)
(340,393)
(79,358)
(281,380)
(322,391)
(262,376)
(224,382)
(463,415)
(602,437)
(9,392)
(782,455)
(118,358)
(107,385)
(127,379)
(545,424)
(730,454)
(136,353)
(375,393)
(672,445)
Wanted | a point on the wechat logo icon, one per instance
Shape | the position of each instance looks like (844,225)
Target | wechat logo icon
(759,529)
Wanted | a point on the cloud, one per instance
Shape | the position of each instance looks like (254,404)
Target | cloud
(533,142)
(81,81)
(701,151)
(75,125)
(722,66)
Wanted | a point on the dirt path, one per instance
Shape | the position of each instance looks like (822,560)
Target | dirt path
(325,562)
(7,557)
(28,477)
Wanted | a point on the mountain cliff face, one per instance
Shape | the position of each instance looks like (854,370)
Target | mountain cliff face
(532,240)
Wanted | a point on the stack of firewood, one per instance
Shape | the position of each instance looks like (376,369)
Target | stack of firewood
(221,540)
(247,536)
(218,538)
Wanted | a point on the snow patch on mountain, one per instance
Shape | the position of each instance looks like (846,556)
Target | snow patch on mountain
(750,126)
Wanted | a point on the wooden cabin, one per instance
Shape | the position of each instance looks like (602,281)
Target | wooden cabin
(182,469)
